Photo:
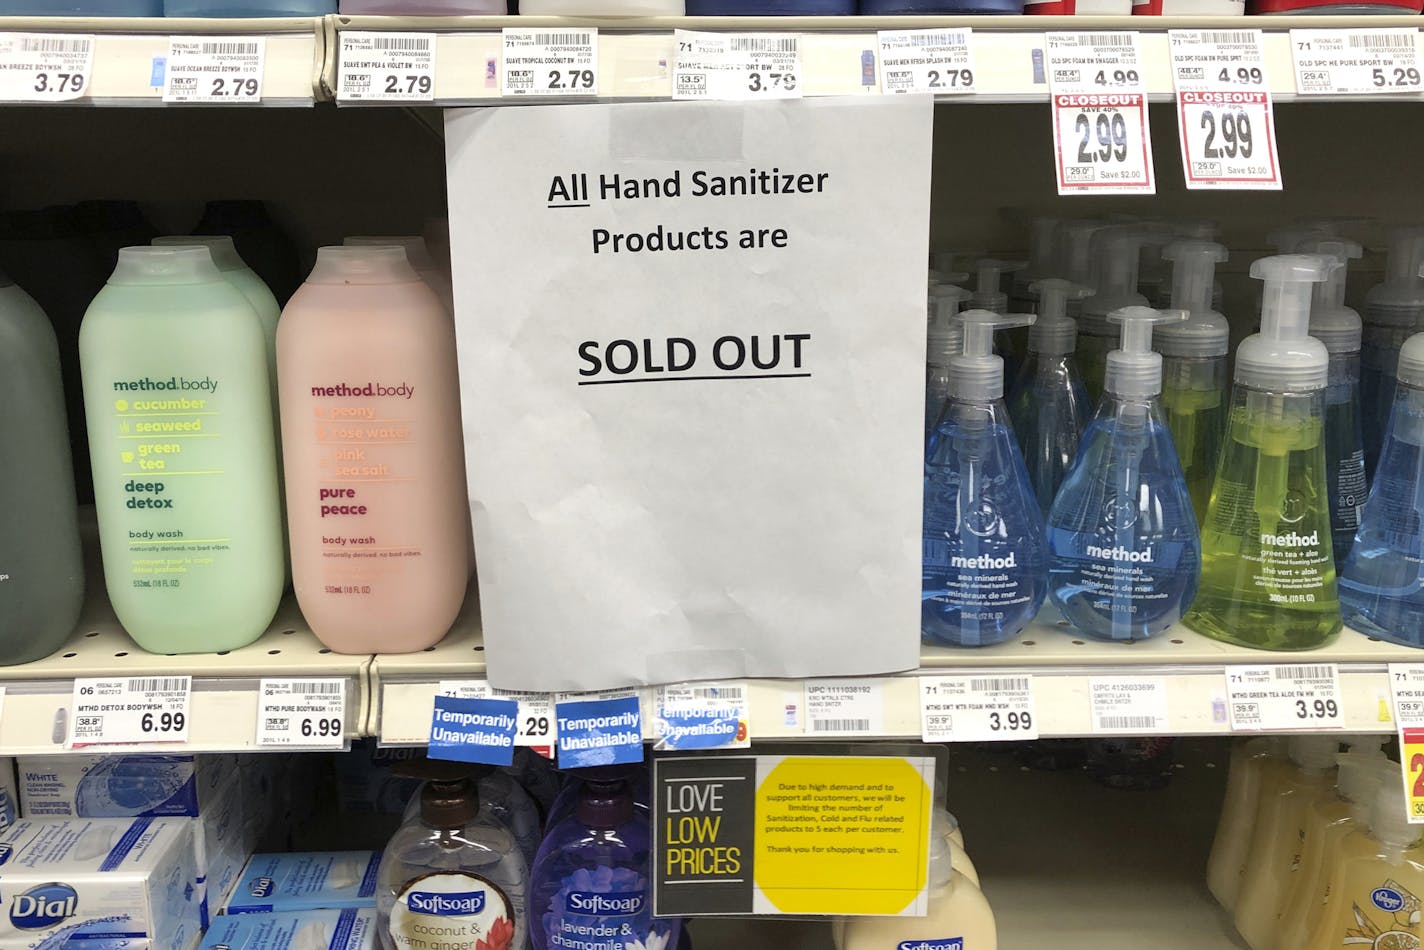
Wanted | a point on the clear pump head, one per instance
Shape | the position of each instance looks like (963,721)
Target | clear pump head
(1116,257)
(1288,238)
(1313,753)
(1135,369)
(1283,357)
(1410,370)
(942,295)
(1206,332)
(987,295)
(977,375)
(1054,332)
(1042,250)
(1075,244)
(1331,322)
(1196,229)
(1389,814)
(1399,300)
(946,331)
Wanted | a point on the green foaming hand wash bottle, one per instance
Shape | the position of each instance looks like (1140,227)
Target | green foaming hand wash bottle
(1268,576)
(174,365)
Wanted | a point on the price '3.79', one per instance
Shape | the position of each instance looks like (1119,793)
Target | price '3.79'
(59,82)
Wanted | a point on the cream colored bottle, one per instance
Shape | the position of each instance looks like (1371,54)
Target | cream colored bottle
(436,277)
(375,472)
(958,911)
(1278,834)
(1376,890)
(1232,845)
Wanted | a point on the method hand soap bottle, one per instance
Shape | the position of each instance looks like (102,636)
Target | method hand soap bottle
(984,559)
(1123,549)
(180,433)
(1268,574)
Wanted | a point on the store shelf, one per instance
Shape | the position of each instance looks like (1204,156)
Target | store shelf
(125,50)
(636,56)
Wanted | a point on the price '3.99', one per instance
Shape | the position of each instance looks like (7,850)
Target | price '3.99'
(1316,709)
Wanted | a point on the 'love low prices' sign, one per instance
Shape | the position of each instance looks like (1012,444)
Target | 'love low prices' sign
(667,340)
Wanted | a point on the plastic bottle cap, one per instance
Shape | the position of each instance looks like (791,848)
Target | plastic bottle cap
(1360,774)
(1399,301)
(1134,369)
(987,295)
(1042,252)
(1076,246)
(1313,753)
(1115,257)
(415,250)
(1389,817)
(1283,357)
(450,798)
(1054,332)
(1410,371)
(1196,229)
(164,266)
(224,252)
(359,264)
(946,332)
(1287,239)
(944,296)
(1205,333)
(1331,322)
(606,799)
(977,375)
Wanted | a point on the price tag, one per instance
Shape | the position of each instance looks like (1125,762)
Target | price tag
(940,62)
(214,69)
(1129,705)
(1356,62)
(308,713)
(1406,684)
(386,67)
(601,728)
(736,66)
(536,710)
(977,708)
(1227,122)
(1296,697)
(129,710)
(1101,139)
(845,707)
(473,730)
(550,62)
(701,716)
(44,67)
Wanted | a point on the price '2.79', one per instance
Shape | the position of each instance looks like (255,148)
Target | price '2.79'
(409,84)
(571,79)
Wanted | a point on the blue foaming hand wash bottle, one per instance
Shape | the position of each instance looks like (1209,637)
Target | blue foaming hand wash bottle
(1123,549)
(984,567)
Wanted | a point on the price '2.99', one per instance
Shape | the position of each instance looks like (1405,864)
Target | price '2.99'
(1234,130)
(1111,134)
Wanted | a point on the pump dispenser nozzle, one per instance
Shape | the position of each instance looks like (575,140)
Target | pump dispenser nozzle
(1054,332)
(1283,357)
(946,332)
(977,375)
(450,797)
(1042,248)
(1116,258)
(1331,322)
(946,298)
(987,293)
(1206,332)
(1134,369)
(1196,229)
(1076,247)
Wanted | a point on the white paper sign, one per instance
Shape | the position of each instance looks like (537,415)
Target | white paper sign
(310,713)
(45,67)
(214,69)
(756,66)
(1225,116)
(386,67)
(1357,62)
(845,707)
(1101,139)
(537,726)
(129,710)
(658,425)
(550,62)
(977,708)
(939,62)
(1303,696)
(1129,705)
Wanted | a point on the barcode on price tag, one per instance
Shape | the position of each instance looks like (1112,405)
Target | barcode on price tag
(307,713)
(736,66)
(386,67)
(1226,118)
(43,67)
(701,716)
(129,710)
(537,729)
(1357,62)
(939,62)
(845,707)
(545,62)
(1406,685)
(977,708)
(1102,141)
(1304,697)
(212,70)
(1129,705)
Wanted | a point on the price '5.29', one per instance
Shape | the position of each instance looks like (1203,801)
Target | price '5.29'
(1110,130)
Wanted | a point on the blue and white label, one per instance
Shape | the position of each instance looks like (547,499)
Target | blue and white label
(1387,899)
(455,909)
(474,730)
(446,905)
(605,905)
(599,731)
(941,943)
(701,716)
(43,906)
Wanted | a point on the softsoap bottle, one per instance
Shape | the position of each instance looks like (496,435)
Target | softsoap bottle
(375,471)
(180,433)
(1394,310)
(1116,253)
(1194,378)
(1047,404)
(1339,328)
(1268,574)
(945,340)
(41,563)
(418,253)
(1123,548)
(984,559)
(451,872)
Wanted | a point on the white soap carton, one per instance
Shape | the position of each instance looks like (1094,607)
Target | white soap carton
(349,929)
(101,879)
(305,881)
(122,786)
(224,842)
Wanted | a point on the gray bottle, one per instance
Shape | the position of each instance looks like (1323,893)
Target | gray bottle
(41,563)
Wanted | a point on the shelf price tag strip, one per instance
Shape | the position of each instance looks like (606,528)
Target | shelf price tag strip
(977,708)
(209,69)
(939,62)
(1101,139)
(536,729)
(549,62)
(701,716)
(1406,686)
(1302,697)
(1226,120)
(386,67)
(752,66)
(45,67)
(306,713)
(1129,705)
(1357,62)
(125,710)
(845,707)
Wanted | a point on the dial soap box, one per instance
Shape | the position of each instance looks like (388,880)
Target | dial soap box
(314,880)
(349,929)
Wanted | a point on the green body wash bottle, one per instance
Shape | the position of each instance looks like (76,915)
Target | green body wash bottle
(1268,576)
(180,431)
